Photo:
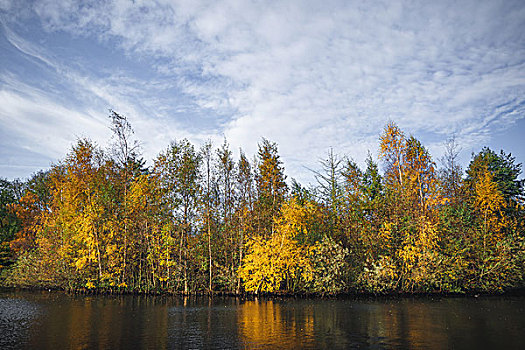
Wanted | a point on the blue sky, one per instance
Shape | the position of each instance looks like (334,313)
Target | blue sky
(307,75)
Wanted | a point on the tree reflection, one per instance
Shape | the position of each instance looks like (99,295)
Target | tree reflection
(269,323)
(102,322)
(60,321)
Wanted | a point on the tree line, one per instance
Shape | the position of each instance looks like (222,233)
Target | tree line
(199,220)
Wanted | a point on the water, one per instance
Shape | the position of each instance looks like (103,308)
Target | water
(51,320)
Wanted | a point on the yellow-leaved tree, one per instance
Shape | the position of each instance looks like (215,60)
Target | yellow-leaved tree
(153,256)
(278,262)
(489,202)
(419,256)
(494,263)
(80,218)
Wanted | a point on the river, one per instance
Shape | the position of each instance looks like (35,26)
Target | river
(54,320)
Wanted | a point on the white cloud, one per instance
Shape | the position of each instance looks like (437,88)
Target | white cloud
(307,74)
(49,127)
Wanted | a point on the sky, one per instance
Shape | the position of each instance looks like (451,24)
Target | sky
(308,75)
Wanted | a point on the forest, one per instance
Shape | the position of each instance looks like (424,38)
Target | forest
(199,221)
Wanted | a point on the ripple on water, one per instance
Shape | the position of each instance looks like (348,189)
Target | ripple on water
(16,317)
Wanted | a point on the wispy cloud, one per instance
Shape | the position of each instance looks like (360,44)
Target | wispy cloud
(308,75)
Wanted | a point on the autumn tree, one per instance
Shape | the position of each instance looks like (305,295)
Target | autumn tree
(82,215)
(153,245)
(22,204)
(353,200)
(27,214)
(200,221)
(244,209)
(178,170)
(504,170)
(278,262)
(392,152)
(226,197)
(493,258)
(125,151)
(420,175)
(412,194)
(489,202)
(9,222)
(208,195)
(271,186)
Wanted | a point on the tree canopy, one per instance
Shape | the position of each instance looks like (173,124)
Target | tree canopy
(199,220)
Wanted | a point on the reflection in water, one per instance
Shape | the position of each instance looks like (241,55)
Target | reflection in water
(79,322)
(60,321)
(269,323)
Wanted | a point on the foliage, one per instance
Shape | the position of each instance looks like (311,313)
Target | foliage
(271,187)
(201,221)
(330,267)
(279,262)
(503,169)
(9,223)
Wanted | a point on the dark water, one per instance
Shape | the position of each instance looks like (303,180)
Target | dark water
(43,320)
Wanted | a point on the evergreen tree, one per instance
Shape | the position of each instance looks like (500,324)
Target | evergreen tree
(271,186)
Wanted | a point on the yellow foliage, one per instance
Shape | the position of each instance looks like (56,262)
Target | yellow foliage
(490,202)
(270,262)
(418,252)
(80,263)
(385,234)
(392,148)
(488,196)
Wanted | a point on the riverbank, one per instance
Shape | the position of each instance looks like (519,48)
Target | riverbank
(514,292)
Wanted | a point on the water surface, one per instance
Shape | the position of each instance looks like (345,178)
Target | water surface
(53,320)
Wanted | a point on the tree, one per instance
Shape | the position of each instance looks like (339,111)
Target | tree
(178,170)
(450,173)
(420,178)
(490,203)
(392,152)
(226,171)
(25,223)
(226,200)
(244,184)
(271,186)
(125,150)
(366,207)
(208,197)
(330,191)
(372,183)
(495,260)
(496,202)
(279,261)
(419,256)
(503,169)
(198,221)
(153,246)
(82,216)
(9,221)
(21,206)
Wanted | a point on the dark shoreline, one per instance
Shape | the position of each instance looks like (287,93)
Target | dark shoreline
(515,292)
